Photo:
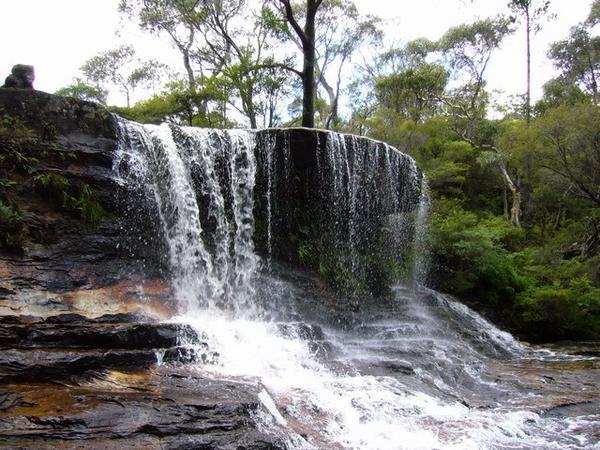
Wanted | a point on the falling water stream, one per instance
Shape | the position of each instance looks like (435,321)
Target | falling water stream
(420,372)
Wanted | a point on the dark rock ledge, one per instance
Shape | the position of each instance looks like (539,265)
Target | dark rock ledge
(71,381)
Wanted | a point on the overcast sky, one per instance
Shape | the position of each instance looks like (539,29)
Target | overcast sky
(57,36)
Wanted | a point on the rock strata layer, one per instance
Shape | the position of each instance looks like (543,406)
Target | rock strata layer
(70,381)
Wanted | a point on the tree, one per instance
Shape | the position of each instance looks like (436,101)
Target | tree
(175,18)
(531,11)
(249,70)
(558,92)
(119,68)
(340,32)
(414,93)
(306,35)
(578,59)
(467,50)
(397,84)
(224,43)
(594,15)
(83,91)
(572,138)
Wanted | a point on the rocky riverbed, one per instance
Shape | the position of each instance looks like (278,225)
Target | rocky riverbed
(78,377)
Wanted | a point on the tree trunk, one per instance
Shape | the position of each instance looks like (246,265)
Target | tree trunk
(515,209)
(515,190)
(505,202)
(307,37)
(528,95)
(188,69)
(308,70)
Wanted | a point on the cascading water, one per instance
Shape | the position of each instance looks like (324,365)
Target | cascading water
(202,182)
(422,371)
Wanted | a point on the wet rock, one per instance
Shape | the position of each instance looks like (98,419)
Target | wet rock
(10,400)
(312,333)
(73,381)
(67,345)
(94,334)
(21,76)
(39,365)
(75,140)
(166,408)
(573,409)
(301,330)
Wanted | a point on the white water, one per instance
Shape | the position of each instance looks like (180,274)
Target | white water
(423,373)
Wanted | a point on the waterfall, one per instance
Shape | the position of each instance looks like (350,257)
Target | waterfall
(419,370)
(202,182)
(421,248)
(338,196)
(211,186)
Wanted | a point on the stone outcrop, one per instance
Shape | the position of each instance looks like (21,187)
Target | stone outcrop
(70,381)
(69,145)
(21,77)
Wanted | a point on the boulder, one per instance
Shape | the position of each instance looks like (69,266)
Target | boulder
(22,76)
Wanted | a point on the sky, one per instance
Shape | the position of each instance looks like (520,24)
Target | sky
(57,36)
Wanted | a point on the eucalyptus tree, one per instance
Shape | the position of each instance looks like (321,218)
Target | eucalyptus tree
(578,59)
(225,45)
(531,12)
(468,49)
(327,33)
(176,19)
(399,81)
(306,35)
(559,91)
(341,32)
(571,134)
(415,92)
(119,67)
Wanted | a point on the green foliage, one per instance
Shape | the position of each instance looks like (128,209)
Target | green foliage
(83,91)
(319,250)
(16,141)
(368,269)
(571,136)
(117,67)
(89,207)
(178,104)
(80,200)
(559,92)
(578,58)
(468,47)
(415,92)
(558,314)
(13,231)
(51,182)
(472,254)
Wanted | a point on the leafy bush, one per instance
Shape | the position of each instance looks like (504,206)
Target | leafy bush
(13,231)
(550,313)
(471,255)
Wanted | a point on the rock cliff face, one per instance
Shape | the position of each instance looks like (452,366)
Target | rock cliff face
(65,209)
(70,224)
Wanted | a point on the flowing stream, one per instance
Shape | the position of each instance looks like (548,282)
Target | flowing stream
(419,372)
